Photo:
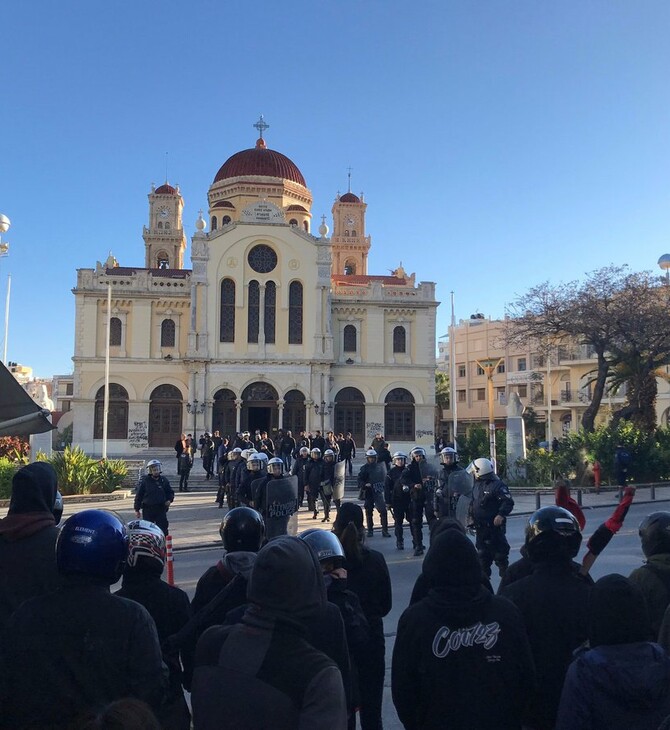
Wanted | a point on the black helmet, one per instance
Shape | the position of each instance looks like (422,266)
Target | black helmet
(655,533)
(93,543)
(325,544)
(552,533)
(242,529)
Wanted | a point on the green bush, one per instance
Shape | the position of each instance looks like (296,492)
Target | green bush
(7,471)
(75,471)
(110,474)
(475,444)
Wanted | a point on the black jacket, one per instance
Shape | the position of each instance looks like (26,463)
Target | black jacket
(461,660)
(76,650)
(554,604)
(394,493)
(369,580)
(153,492)
(490,497)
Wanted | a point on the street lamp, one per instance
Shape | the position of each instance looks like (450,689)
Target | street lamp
(664,265)
(195,408)
(323,410)
(489,367)
(5,223)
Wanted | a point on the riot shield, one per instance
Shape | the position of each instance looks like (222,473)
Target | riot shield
(460,486)
(281,502)
(430,475)
(338,480)
(376,476)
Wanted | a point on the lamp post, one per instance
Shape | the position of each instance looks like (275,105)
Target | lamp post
(5,223)
(489,367)
(664,265)
(323,410)
(195,408)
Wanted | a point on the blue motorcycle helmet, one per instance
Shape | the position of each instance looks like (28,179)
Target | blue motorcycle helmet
(93,544)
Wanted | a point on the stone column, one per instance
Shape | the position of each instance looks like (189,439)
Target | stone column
(516,438)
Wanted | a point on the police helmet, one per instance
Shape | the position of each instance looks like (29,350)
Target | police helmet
(315,452)
(655,533)
(304,451)
(325,545)
(57,509)
(400,458)
(146,542)
(482,467)
(254,462)
(418,452)
(94,544)
(154,464)
(329,455)
(264,459)
(371,454)
(552,533)
(448,456)
(242,529)
(276,466)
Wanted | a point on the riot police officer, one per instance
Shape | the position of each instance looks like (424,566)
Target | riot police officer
(397,497)
(421,479)
(445,496)
(154,496)
(491,504)
(371,485)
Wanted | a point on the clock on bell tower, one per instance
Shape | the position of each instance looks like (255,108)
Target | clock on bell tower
(349,243)
(164,238)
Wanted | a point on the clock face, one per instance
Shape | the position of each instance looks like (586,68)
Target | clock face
(164,212)
(350,221)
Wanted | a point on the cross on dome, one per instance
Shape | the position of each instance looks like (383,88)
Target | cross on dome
(261,125)
(349,169)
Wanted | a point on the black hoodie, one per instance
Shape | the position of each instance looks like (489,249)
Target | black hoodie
(461,657)
(28,539)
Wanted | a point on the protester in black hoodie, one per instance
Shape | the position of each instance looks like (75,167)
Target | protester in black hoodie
(28,539)
(621,681)
(262,673)
(461,657)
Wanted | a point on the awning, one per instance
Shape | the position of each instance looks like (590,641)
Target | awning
(19,414)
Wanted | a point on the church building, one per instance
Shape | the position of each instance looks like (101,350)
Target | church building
(271,327)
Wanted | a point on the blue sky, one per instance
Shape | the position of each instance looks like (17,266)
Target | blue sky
(498,143)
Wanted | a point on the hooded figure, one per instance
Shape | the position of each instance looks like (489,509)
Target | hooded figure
(623,679)
(28,539)
(460,636)
(262,672)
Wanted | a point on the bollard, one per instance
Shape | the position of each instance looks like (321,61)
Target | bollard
(579,497)
(170,563)
(537,500)
(653,492)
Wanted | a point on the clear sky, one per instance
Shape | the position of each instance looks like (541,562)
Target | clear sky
(499,143)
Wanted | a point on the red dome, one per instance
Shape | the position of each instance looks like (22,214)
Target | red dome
(261,162)
(349,198)
(165,190)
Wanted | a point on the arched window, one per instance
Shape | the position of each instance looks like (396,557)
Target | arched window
(117,417)
(350,268)
(253,311)
(270,310)
(399,415)
(167,333)
(215,224)
(167,225)
(162,260)
(225,220)
(227,327)
(346,233)
(115,332)
(399,339)
(349,338)
(353,233)
(294,412)
(305,225)
(295,313)
(293,222)
(160,225)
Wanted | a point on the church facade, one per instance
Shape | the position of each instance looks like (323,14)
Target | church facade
(271,328)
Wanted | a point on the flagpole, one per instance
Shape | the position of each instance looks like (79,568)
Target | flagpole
(9,288)
(452,375)
(106,404)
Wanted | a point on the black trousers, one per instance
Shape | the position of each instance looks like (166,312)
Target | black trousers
(492,547)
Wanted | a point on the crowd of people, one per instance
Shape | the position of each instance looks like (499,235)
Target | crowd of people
(287,631)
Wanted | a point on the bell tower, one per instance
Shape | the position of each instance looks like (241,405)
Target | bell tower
(164,238)
(350,245)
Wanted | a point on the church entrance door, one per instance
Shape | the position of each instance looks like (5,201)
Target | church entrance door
(165,413)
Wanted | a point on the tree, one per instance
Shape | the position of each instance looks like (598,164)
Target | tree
(442,395)
(621,315)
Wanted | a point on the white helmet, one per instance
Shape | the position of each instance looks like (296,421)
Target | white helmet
(154,463)
(401,457)
(329,454)
(482,467)
(448,456)
(315,451)
(254,462)
(245,453)
(370,453)
(264,458)
(276,466)
(418,451)
(304,451)
(234,454)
